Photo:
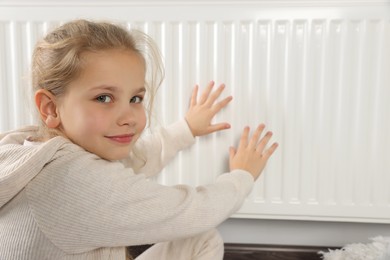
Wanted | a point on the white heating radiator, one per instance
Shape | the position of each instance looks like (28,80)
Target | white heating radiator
(316,72)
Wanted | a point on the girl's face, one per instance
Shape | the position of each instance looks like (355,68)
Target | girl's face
(102,109)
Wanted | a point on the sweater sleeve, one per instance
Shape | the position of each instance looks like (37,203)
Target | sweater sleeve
(82,203)
(154,151)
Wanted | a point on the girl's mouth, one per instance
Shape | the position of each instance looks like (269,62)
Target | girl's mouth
(122,139)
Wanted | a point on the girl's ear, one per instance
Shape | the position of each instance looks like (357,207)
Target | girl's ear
(47,108)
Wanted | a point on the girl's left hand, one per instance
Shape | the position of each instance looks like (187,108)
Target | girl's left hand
(202,111)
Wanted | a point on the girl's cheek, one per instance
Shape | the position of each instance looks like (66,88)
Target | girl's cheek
(142,118)
(143,123)
(94,121)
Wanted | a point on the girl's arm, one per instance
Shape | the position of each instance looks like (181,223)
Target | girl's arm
(81,202)
(153,152)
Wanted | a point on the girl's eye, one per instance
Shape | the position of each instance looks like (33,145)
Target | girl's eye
(136,99)
(104,99)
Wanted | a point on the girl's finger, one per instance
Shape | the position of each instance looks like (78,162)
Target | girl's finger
(267,154)
(205,94)
(256,136)
(213,96)
(244,138)
(222,104)
(218,127)
(263,142)
(232,153)
(194,96)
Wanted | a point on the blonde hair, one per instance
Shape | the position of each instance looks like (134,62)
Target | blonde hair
(57,58)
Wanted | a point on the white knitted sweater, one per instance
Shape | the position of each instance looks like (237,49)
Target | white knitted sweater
(58,201)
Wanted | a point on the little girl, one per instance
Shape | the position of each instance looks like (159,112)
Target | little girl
(76,187)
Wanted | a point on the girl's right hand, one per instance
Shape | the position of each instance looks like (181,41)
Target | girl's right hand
(252,153)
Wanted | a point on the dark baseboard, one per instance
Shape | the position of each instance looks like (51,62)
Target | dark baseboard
(258,252)
(272,252)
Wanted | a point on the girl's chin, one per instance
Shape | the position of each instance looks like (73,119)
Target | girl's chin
(116,156)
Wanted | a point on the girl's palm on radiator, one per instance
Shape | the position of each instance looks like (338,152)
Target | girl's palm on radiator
(252,153)
(201,112)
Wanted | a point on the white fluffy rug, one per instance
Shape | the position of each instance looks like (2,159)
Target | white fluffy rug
(378,249)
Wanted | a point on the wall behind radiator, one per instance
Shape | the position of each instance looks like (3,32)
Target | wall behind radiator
(316,72)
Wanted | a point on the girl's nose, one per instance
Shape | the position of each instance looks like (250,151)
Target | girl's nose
(127,117)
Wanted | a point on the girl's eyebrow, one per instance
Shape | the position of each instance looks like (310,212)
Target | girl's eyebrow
(141,89)
(116,89)
(105,87)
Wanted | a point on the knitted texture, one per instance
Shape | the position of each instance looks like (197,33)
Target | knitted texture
(59,201)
